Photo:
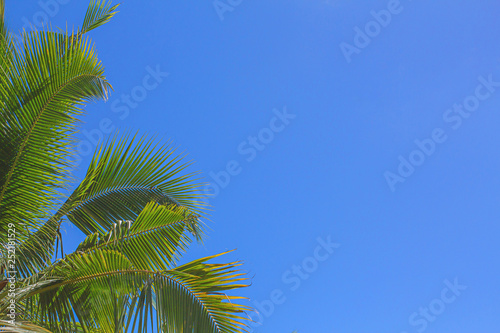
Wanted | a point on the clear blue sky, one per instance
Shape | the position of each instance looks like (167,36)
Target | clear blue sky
(355,105)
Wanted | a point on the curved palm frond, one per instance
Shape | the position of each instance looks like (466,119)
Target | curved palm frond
(153,241)
(90,288)
(39,128)
(124,176)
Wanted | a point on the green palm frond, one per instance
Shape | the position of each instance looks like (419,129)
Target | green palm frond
(221,312)
(98,13)
(188,298)
(153,241)
(6,50)
(44,86)
(124,176)
(39,128)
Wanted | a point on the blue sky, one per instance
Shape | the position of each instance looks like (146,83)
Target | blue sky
(334,236)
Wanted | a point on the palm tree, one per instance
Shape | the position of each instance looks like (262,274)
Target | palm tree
(137,208)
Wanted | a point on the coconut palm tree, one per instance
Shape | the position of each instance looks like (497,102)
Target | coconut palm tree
(137,206)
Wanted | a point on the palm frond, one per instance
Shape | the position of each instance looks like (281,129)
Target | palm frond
(188,298)
(38,129)
(124,176)
(153,241)
(218,312)
(98,13)
(43,85)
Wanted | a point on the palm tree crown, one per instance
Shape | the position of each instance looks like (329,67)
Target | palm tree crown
(137,208)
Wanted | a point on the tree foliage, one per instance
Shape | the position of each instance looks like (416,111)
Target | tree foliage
(137,206)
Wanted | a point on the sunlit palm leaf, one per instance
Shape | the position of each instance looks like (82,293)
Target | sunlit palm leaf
(153,241)
(187,298)
(124,176)
(66,74)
